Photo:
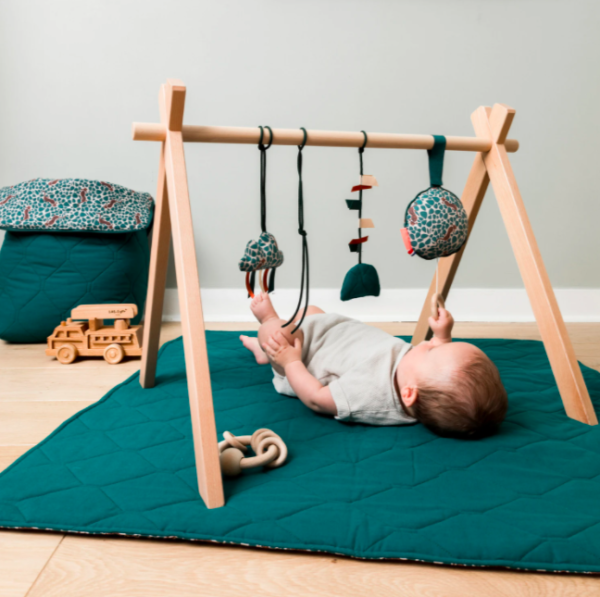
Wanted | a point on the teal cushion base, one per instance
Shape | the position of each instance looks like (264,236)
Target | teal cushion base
(361,280)
(43,276)
(526,498)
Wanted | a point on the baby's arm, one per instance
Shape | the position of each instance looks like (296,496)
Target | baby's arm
(307,387)
(442,326)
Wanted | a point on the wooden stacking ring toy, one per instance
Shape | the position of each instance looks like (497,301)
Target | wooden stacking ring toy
(269,449)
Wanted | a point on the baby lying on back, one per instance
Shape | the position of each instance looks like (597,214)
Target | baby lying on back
(342,367)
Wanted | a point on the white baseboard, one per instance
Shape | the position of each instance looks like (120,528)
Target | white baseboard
(466,304)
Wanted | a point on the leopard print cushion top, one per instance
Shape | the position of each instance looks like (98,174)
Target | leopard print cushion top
(436,223)
(73,204)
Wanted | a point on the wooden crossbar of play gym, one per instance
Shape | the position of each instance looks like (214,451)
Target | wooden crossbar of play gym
(173,220)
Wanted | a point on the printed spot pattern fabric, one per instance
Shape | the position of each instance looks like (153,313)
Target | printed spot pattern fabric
(436,222)
(74,204)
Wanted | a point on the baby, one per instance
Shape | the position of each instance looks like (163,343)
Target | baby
(342,367)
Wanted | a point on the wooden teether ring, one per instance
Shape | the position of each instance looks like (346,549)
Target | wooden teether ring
(263,439)
(234,441)
(269,448)
(437,300)
(263,281)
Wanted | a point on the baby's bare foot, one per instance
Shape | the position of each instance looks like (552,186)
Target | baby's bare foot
(252,345)
(262,308)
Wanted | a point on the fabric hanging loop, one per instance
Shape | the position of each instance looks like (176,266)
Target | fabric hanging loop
(436,160)
(263,175)
(304,277)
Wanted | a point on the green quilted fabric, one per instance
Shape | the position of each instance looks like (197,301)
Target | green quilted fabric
(526,498)
(361,280)
(74,204)
(43,276)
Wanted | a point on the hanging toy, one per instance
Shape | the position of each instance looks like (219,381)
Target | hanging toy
(304,277)
(262,254)
(269,449)
(435,222)
(362,279)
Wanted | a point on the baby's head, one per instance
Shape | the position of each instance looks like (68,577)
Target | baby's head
(452,388)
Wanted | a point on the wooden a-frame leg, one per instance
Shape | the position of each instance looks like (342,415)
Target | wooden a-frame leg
(208,469)
(159,259)
(554,334)
(472,197)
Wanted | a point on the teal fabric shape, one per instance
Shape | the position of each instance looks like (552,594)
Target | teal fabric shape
(437,223)
(254,257)
(268,244)
(74,205)
(361,280)
(261,254)
(43,276)
(526,498)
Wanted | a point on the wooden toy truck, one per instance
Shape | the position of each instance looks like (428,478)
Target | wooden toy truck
(92,338)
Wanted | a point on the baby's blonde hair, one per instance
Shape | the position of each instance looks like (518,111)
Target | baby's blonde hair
(472,406)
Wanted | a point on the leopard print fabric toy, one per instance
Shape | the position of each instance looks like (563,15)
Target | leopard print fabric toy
(435,222)
(264,253)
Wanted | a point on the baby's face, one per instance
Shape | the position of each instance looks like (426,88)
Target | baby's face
(434,360)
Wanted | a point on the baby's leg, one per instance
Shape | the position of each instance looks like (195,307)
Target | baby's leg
(263,310)
(272,326)
(310,310)
(271,323)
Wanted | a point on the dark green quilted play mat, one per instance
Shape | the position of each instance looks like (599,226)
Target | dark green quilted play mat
(526,498)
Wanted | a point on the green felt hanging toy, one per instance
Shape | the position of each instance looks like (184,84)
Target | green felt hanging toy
(435,222)
(362,279)
(264,253)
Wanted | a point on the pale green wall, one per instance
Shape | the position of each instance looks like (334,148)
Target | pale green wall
(74,75)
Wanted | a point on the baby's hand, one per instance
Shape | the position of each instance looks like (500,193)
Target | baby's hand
(281,352)
(442,326)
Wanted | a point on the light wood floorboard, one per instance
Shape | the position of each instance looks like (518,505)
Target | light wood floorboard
(38,393)
(98,567)
(22,558)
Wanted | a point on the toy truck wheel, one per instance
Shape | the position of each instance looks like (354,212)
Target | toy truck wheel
(114,354)
(66,354)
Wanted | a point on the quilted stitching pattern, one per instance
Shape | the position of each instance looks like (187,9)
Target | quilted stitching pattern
(43,276)
(525,498)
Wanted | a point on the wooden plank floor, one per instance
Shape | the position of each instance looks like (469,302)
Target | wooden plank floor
(38,393)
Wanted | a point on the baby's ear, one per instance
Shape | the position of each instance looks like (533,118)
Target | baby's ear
(409,395)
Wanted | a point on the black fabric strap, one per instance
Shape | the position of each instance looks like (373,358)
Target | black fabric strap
(361,150)
(436,160)
(263,175)
(304,277)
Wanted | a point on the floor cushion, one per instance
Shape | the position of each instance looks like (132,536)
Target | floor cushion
(43,276)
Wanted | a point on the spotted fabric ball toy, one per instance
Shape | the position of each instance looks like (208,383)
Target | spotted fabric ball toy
(435,222)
